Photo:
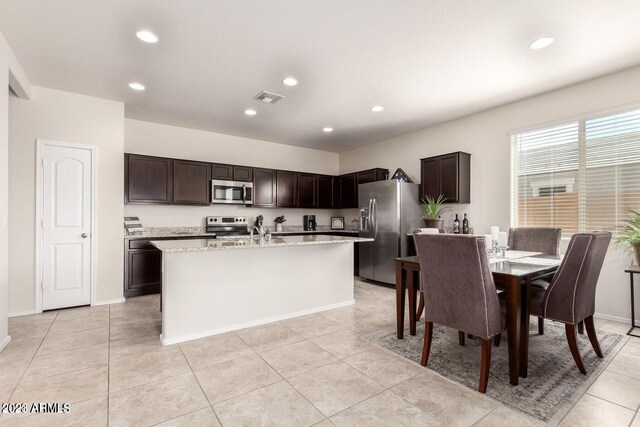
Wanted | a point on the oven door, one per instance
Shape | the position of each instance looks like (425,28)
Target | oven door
(231,192)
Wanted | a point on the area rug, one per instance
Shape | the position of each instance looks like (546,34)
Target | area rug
(553,384)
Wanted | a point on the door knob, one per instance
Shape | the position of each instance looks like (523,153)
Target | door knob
(84,235)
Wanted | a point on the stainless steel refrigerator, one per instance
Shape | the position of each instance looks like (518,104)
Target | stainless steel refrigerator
(389,210)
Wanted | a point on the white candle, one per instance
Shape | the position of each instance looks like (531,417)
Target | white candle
(487,238)
(502,239)
(494,232)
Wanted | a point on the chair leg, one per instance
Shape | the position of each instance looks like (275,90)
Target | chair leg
(581,328)
(428,334)
(496,340)
(485,365)
(540,325)
(461,338)
(572,338)
(591,331)
(420,306)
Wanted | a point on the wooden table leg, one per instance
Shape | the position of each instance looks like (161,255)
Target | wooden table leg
(525,321)
(411,288)
(513,328)
(400,287)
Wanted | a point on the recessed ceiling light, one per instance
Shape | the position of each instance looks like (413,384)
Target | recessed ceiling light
(327,129)
(377,108)
(136,86)
(147,36)
(542,42)
(250,112)
(290,81)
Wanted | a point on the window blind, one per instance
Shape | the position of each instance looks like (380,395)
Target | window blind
(580,176)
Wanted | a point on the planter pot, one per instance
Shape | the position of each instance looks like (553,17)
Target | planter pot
(636,252)
(278,226)
(433,223)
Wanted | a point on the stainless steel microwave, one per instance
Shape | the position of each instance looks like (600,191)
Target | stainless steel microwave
(231,192)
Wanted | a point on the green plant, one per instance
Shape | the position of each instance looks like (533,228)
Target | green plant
(629,235)
(280,219)
(432,208)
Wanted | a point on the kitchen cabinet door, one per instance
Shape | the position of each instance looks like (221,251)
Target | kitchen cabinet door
(326,195)
(242,173)
(264,187)
(365,177)
(191,182)
(429,178)
(147,180)
(348,191)
(286,189)
(449,175)
(144,275)
(307,190)
(222,172)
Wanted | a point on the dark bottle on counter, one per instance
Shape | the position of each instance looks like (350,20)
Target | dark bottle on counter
(456,225)
(465,225)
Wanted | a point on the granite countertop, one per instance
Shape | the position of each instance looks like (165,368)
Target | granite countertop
(157,232)
(197,245)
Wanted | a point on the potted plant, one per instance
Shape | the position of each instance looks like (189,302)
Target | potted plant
(279,220)
(629,235)
(432,209)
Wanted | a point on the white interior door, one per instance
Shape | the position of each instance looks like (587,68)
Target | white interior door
(66,226)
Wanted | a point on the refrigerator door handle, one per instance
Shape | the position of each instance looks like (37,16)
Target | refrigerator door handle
(374,217)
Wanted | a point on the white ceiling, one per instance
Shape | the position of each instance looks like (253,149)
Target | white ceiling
(425,61)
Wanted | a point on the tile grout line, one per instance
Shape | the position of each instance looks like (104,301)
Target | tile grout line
(32,357)
(199,385)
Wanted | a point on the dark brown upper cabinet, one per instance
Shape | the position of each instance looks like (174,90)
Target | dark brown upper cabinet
(242,173)
(191,182)
(147,179)
(328,192)
(307,190)
(348,191)
(449,175)
(286,189)
(264,187)
(222,172)
(371,175)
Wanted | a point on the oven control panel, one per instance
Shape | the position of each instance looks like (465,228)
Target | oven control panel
(226,220)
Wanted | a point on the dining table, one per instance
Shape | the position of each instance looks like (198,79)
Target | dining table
(512,273)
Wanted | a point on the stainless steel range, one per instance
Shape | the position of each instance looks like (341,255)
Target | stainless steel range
(227,226)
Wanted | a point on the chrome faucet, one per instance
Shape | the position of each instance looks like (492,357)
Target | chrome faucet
(258,227)
(260,231)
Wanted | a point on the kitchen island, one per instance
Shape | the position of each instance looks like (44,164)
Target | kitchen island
(212,286)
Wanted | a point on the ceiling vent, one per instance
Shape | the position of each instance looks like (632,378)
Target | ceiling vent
(269,97)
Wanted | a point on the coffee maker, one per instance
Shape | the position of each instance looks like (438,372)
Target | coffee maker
(309,222)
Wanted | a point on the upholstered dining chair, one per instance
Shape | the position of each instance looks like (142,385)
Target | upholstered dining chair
(536,239)
(459,291)
(570,297)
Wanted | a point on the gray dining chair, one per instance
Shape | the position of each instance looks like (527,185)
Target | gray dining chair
(570,297)
(536,239)
(459,291)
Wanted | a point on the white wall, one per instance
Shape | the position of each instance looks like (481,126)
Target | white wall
(68,117)
(4,198)
(171,141)
(485,136)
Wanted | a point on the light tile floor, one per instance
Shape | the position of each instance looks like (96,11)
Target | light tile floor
(108,363)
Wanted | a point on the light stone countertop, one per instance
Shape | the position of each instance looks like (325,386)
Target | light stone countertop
(197,245)
(157,232)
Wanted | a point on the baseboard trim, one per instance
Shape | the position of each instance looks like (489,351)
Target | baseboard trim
(6,342)
(244,325)
(24,313)
(110,301)
(626,320)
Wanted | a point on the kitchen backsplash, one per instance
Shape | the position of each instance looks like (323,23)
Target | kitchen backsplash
(193,216)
